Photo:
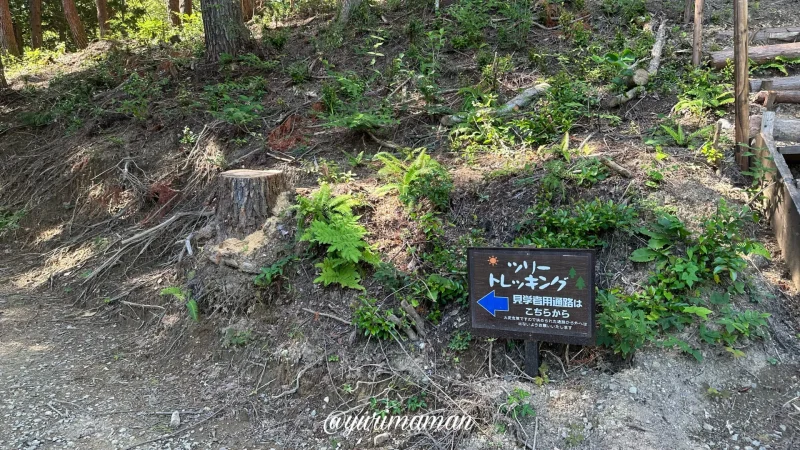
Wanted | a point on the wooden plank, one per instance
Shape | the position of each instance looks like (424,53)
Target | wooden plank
(782,198)
(697,47)
(741,83)
(760,54)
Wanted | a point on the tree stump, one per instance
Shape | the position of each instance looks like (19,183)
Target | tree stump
(245,200)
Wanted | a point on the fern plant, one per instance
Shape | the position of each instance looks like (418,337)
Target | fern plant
(418,176)
(185,296)
(332,226)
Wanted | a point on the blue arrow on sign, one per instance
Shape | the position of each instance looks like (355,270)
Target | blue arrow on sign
(492,303)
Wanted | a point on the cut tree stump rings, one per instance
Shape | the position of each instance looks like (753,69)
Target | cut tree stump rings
(245,200)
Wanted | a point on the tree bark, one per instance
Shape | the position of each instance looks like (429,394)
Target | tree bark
(102,16)
(760,54)
(187,6)
(3,83)
(224,28)
(764,35)
(174,7)
(248,8)
(75,24)
(7,39)
(36,23)
(697,48)
(245,200)
(347,8)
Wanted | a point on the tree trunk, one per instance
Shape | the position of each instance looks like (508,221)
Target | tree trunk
(102,16)
(75,24)
(248,8)
(7,39)
(36,23)
(223,26)
(3,83)
(760,54)
(18,36)
(347,8)
(245,199)
(187,6)
(174,7)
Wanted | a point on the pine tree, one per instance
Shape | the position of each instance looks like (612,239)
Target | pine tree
(7,38)
(75,24)
(187,6)
(36,23)
(224,28)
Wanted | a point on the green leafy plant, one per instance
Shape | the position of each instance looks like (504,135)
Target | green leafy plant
(516,405)
(580,226)
(9,220)
(273,272)
(703,91)
(684,262)
(237,338)
(328,223)
(369,318)
(683,139)
(460,341)
(620,66)
(184,295)
(416,402)
(417,177)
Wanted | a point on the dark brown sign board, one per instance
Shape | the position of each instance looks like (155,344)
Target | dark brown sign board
(532,294)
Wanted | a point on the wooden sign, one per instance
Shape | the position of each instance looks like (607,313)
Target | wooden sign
(533,294)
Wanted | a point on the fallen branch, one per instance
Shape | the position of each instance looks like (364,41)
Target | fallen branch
(655,63)
(401,326)
(783,34)
(330,316)
(383,143)
(778,84)
(418,322)
(520,101)
(758,55)
(616,167)
(780,97)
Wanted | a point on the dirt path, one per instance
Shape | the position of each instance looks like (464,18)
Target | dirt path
(69,381)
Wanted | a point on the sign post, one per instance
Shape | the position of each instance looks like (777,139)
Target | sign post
(532,294)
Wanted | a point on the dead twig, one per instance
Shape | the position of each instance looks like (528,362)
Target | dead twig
(330,316)
(296,382)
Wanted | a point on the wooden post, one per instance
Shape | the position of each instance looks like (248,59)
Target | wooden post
(532,358)
(741,82)
(697,50)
